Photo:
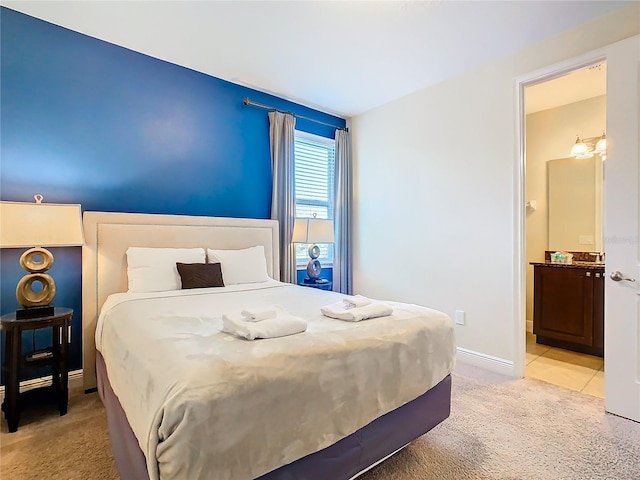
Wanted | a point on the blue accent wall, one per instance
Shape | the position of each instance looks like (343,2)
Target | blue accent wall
(85,121)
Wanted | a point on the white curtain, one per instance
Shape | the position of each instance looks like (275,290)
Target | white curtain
(283,198)
(342,261)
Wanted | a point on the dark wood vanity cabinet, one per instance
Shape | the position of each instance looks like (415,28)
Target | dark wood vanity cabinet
(568,307)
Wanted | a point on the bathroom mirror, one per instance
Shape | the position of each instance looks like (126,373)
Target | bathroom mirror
(574,194)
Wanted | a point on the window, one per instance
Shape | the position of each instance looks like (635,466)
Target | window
(314,173)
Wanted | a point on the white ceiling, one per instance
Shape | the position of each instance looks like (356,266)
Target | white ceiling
(341,57)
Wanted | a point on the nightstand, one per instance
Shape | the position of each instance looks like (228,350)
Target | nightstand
(55,356)
(320,286)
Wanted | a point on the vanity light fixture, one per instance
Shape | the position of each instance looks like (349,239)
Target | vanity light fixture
(582,149)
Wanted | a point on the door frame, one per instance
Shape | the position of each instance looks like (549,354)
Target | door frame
(541,75)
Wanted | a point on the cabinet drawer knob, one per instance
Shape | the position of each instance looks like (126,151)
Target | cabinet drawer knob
(588,274)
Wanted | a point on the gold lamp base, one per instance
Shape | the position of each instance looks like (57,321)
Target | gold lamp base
(36,261)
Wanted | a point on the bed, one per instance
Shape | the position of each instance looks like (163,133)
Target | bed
(186,400)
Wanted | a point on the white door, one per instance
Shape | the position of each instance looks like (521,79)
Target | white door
(622,230)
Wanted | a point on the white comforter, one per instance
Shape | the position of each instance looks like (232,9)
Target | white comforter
(205,404)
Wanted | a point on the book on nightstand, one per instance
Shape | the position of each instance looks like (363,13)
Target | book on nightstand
(38,355)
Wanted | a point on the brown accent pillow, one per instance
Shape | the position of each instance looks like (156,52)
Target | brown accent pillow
(200,275)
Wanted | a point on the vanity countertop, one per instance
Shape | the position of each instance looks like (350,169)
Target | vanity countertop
(578,264)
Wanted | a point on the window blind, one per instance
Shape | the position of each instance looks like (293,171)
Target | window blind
(314,177)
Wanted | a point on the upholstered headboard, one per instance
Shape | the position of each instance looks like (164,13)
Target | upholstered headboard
(108,235)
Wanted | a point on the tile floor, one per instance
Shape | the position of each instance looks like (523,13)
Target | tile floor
(576,371)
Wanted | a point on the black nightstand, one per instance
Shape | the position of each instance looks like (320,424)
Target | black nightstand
(321,286)
(55,356)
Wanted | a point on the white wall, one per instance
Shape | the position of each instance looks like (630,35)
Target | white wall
(435,187)
(550,135)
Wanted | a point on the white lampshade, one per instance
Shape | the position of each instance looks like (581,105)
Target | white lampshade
(312,230)
(580,149)
(40,224)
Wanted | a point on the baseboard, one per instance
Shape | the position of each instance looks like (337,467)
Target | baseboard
(488,362)
(530,326)
(75,381)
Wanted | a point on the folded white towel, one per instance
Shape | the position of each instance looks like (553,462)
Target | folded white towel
(356,301)
(259,314)
(280,326)
(373,310)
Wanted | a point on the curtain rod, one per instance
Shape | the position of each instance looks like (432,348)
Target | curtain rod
(246,102)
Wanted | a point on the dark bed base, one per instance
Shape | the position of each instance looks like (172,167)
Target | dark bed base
(340,461)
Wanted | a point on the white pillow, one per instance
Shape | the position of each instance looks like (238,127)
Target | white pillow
(154,269)
(241,266)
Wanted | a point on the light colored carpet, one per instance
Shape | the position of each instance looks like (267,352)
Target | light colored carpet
(502,428)
(499,429)
(48,446)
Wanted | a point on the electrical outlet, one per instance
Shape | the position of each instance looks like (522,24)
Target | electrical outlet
(585,239)
(460,317)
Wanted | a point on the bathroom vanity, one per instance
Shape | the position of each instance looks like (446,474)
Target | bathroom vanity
(568,306)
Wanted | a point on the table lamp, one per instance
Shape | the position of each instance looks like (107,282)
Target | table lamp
(312,231)
(34,226)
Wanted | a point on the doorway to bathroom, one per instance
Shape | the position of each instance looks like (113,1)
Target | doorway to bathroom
(621,214)
(565,147)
